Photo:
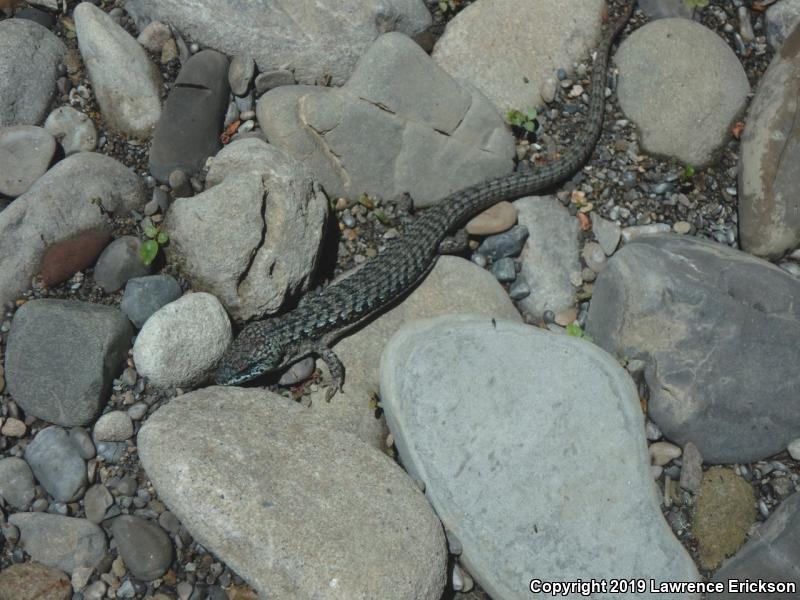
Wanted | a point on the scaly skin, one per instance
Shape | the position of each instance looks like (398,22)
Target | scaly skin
(273,344)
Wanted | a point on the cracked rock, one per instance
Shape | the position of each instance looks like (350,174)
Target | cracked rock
(400,124)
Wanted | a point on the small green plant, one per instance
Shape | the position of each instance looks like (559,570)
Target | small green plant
(155,239)
(523,120)
(688,172)
(574,330)
(696,3)
(449,5)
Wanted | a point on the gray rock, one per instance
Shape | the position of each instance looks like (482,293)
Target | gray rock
(25,154)
(681,110)
(607,234)
(25,102)
(794,449)
(508,58)
(550,254)
(594,256)
(190,125)
(376,537)
(145,295)
(60,206)
(781,19)
(154,36)
(73,129)
(658,9)
(112,452)
(182,342)
(126,84)
(314,38)
(504,270)
(32,581)
(457,378)
(240,73)
(771,554)
(61,358)
(769,207)
(96,502)
(400,124)
(113,426)
(692,468)
(82,442)
(55,462)
(730,388)
(37,16)
(272,79)
(508,243)
(16,482)
(143,545)
(62,542)
(119,262)
(275,217)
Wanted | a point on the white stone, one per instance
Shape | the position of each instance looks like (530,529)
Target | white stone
(114,426)
(73,129)
(794,449)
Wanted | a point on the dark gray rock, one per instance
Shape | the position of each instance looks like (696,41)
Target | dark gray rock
(717,329)
(143,545)
(16,482)
(28,84)
(112,452)
(145,295)
(56,463)
(61,542)
(118,263)
(62,356)
(658,9)
(771,554)
(504,270)
(41,17)
(508,243)
(188,131)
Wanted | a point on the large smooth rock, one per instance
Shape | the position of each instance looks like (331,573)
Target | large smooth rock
(62,356)
(683,86)
(400,124)
(188,130)
(25,154)
(312,38)
(275,217)
(62,542)
(307,511)
(58,466)
(509,58)
(16,482)
(60,205)
(126,84)
(474,404)
(28,84)
(769,207)
(772,553)
(32,581)
(717,330)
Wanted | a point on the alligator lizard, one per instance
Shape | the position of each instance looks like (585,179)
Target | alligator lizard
(271,345)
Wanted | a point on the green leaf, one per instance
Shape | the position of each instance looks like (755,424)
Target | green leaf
(150,231)
(574,330)
(162,238)
(530,125)
(381,216)
(688,172)
(148,251)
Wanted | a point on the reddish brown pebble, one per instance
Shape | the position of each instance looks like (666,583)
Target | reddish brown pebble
(65,258)
(33,581)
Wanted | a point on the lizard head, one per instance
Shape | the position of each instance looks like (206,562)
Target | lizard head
(253,353)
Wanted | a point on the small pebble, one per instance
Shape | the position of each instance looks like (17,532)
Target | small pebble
(519,290)
(504,270)
(663,452)
(794,449)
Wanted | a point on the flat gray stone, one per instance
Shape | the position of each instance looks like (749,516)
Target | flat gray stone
(16,482)
(240,73)
(124,81)
(715,328)
(306,509)
(119,262)
(781,19)
(310,37)
(56,463)
(400,124)
(62,356)
(550,255)
(143,545)
(62,542)
(29,84)
(25,154)
(73,129)
(683,86)
(275,217)
(145,295)
(769,206)
(451,389)
(771,554)
(96,502)
(607,234)
(58,207)
(508,58)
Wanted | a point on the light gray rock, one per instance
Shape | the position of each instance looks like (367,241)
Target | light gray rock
(59,206)
(607,234)
(682,108)
(55,462)
(550,255)
(293,489)
(154,36)
(29,84)
(62,542)
(113,426)
(272,79)
(145,295)
(119,262)
(313,38)
(62,356)
(771,554)
(240,73)
(96,502)
(25,154)
(73,129)
(182,342)
(730,388)
(400,124)
(658,9)
(459,377)
(126,84)
(769,207)
(781,19)
(594,256)
(275,218)
(507,57)
(16,482)
(143,545)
